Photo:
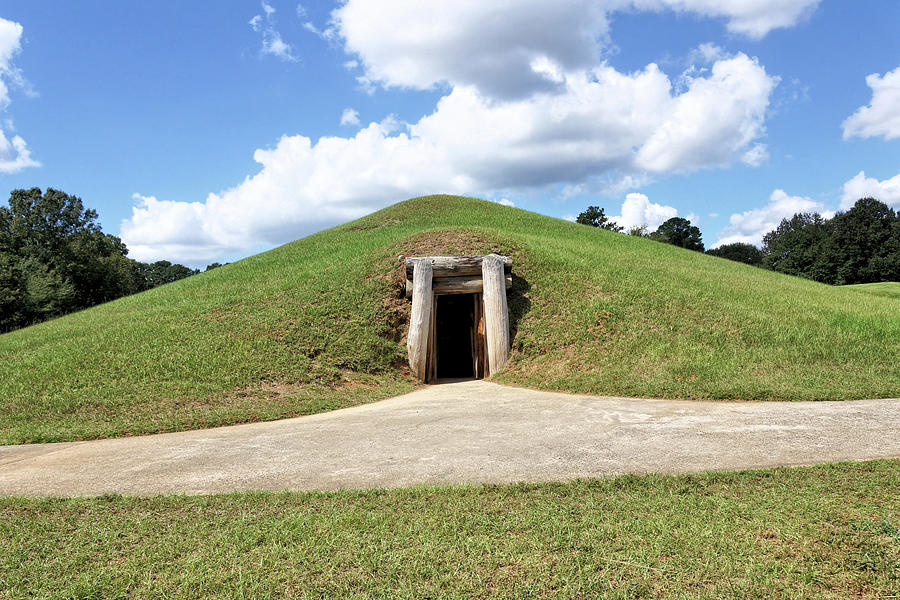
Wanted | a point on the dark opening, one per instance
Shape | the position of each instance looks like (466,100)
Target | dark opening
(454,335)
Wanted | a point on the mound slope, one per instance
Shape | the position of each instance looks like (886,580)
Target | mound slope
(318,324)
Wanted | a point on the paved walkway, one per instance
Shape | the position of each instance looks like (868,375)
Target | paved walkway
(466,432)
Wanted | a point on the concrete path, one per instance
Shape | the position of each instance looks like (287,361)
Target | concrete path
(466,432)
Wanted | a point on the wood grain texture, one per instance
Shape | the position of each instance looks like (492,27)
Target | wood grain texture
(420,319)
(454,266)
(496,312)
(455,285)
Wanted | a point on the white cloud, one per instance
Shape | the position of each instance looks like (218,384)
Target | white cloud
(504,202)
(701,129)
(706,53)
(300,188)
(475,145)
(543,112)
(888,191)
(637,210)
(514,48)
(756,155)
(882,115)
(749,227)
(14,152)
(753,18)
(272,42)
(350,116)
(10,45)
(160,229)
(501,41)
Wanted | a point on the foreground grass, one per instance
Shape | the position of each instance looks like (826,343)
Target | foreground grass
(593,311)
(888,289)
(821,532)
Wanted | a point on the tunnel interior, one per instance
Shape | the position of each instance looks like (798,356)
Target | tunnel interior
(455,336)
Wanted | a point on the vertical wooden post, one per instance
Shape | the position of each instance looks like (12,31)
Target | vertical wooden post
(420,319)
(496,313)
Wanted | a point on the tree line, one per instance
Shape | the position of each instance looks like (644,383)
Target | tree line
(860,245)
(55,259)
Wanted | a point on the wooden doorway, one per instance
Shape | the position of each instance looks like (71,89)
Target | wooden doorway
(458,349)
(459,321)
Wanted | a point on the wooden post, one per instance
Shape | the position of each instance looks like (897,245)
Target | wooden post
(496,313)
(420,319)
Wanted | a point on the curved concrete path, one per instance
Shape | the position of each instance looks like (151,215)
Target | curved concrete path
(466,432)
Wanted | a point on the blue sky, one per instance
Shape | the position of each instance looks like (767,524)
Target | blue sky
(208,131)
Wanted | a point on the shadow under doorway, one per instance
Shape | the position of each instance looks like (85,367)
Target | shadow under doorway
(458,318)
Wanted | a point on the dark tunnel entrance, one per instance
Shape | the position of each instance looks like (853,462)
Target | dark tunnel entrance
(455,336)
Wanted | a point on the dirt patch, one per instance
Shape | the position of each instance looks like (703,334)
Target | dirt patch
(390,267)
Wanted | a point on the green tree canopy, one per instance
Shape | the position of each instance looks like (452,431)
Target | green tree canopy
(163,271)
(679,232)
(54,259)
(866,244)
(739,252)
(861,245)
(800,246)
(595,217)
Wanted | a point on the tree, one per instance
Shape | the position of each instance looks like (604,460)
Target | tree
(865,243)
(162,272)
(54,259)
(861,245)
(679,232)
(801,246)
(638,231)
(739,252)
(595,217)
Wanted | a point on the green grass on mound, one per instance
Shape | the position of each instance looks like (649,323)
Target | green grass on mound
(831,531)
(889,289)
(316,324)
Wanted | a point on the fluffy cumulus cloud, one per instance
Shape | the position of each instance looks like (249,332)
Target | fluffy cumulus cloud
(881,117)
(749,227)
(530,104)
(888,191)
(638,211)
(516,47)
(14,152)
(472,144)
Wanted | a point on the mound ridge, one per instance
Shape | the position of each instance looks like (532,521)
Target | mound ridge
(318,324)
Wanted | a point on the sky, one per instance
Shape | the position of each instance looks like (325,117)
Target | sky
(208,131)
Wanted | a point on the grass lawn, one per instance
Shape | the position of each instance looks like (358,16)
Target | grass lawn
(888,289)
(317,324)
(829,531)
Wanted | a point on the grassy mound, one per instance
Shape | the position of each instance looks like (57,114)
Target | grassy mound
(815,532)
(318,324)
(888,289)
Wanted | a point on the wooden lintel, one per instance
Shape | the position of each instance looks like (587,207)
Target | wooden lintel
(454,266)
(455,285)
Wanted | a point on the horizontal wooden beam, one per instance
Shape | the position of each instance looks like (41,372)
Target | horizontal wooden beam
(454,266)
(455,285)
